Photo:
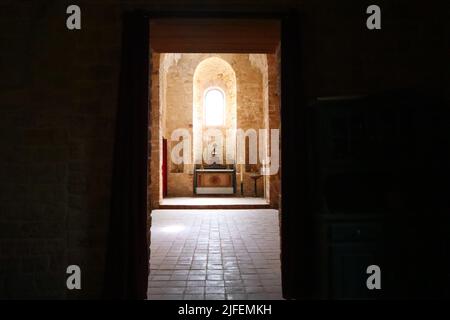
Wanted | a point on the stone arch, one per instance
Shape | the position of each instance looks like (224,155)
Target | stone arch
(214,72)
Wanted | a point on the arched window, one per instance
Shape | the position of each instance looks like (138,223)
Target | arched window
(214,108)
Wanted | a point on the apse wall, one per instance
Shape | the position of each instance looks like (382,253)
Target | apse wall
(246,90)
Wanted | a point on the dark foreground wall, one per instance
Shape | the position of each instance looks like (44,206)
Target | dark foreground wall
(58,98)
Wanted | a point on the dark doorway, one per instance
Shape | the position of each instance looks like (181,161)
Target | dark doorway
(243,34)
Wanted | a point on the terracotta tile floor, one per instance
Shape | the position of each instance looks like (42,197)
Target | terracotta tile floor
(215,254)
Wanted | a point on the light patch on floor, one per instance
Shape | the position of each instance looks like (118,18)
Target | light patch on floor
(215,255)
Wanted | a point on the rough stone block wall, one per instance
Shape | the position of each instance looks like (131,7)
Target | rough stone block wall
(274,92)
(155,144)
(179,106)
(56,137)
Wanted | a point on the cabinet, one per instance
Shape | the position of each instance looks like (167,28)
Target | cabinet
(349,244)
(380,180)
(357,145)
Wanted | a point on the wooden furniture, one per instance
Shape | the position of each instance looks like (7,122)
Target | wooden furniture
(215,180)
(255,177)
(348,244)
(379,182)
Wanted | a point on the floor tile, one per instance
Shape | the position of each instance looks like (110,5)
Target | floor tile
(215,255)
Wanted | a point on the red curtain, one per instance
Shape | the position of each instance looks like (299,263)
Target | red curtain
(128,251)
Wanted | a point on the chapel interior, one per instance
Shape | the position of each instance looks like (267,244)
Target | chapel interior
(235,94)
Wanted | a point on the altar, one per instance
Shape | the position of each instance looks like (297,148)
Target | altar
(215,180)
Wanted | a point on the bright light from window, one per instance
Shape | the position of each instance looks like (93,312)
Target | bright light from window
(214,108)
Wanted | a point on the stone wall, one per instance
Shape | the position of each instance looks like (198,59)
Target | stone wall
(274,96)
(57,119)
(156,123)
(251,109)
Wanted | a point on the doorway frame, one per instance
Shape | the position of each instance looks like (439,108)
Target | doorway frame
(296,219)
